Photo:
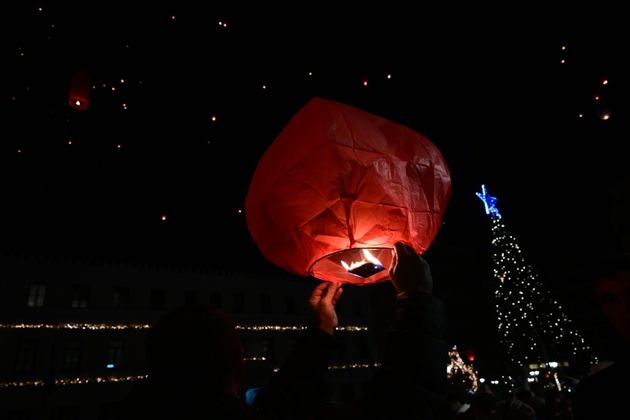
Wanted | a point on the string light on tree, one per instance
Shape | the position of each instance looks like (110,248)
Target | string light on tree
(459,373)
(532,325)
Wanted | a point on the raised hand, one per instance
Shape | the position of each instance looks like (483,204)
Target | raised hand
(322,302)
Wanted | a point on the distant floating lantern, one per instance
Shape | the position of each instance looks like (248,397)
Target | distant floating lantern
(470,355)
(79,90)
(339,187)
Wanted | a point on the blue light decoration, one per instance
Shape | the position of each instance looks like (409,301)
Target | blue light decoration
(110,366)
(489,202)
(250,395)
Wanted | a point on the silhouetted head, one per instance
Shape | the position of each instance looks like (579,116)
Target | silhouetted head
(195,347)
(612,289)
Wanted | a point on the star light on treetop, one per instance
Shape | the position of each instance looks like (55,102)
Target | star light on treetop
(489,202)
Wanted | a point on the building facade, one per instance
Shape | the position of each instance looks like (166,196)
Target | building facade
(72,332)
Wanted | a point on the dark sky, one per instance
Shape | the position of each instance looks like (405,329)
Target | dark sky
(491,92)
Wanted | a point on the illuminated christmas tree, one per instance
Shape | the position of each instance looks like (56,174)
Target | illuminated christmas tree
(459,374)
(533,327)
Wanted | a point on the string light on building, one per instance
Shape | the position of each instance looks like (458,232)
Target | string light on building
(141,326)
(19,384)
(141,377)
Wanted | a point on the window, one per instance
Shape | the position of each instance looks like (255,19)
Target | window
(289,304)
(246,347)
(357,310)
(36,294)
(267,348)
(347,391)
(239,302)
(120,298)
(19,414)
(364,348)
(25,357)
(192,297)
(158,299)
(265,303)
(80,295)
(67,412)
(115,355)
(72,356)
(216,299)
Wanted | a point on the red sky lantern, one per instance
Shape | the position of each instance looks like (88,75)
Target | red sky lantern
(338,187)
(79,90)
(470,355)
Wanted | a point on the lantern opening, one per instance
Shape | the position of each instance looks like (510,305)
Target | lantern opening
(368,266)
(358,266)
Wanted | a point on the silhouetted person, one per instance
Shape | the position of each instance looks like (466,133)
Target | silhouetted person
(195,361)
(604,394)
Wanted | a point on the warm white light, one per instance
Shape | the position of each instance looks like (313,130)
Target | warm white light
(113,88)
(389,76)
(605,82)
(69,141)
(605,116)
(118,146)
(367,258)
(365,83)
(240,211)
(264,87)
(596,97)
(310,73)
(124,106)
(562,61)
(564,47)
(163,218)
(213,118)
(173,17)
(122,80)
(77,102)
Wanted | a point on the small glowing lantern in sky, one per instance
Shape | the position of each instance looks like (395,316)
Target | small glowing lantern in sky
(79,90)
(338,187)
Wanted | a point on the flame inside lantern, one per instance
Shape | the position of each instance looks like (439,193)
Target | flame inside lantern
(359,265)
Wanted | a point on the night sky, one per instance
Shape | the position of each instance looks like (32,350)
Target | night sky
(186,99)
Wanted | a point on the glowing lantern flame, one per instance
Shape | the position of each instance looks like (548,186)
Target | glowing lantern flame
(367,258)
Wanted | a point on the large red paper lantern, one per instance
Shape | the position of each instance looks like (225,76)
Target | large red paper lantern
(338,187)
(79,90)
